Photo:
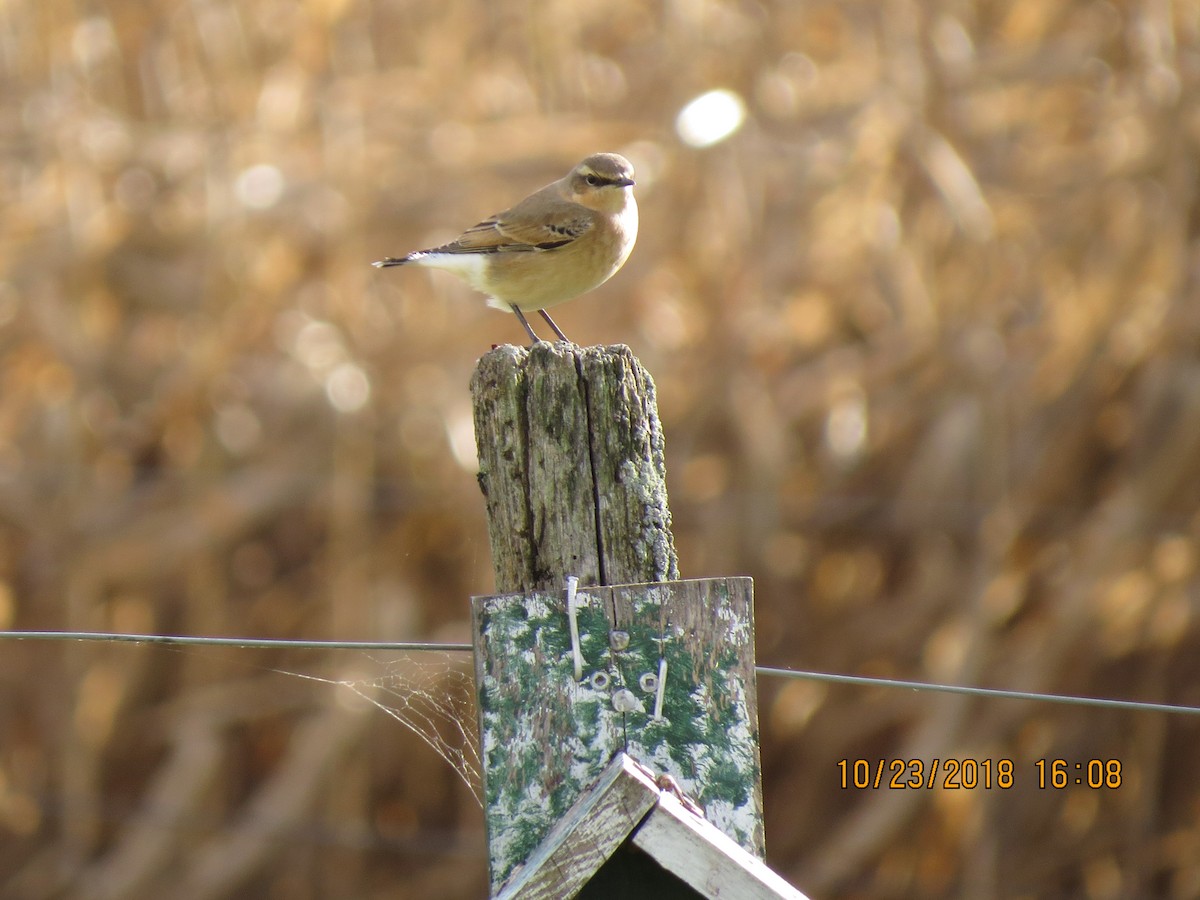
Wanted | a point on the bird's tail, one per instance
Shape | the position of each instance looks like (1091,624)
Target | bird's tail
(390,261)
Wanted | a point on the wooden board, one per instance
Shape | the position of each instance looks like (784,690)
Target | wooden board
(675,852)
(583,839)
(547,737)
(705,858)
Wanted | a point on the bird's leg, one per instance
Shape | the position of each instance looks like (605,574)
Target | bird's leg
(549,321)
(525,323)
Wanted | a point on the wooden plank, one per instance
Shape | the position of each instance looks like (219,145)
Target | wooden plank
(571,465)
(589,834)
(707,738)
(704,857)
(546,738)
(626,803)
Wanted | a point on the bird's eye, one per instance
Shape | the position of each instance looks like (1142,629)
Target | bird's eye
(594,180)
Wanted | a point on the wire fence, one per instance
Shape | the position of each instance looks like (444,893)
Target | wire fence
(437,647)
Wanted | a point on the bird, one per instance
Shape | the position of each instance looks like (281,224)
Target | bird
(561,241)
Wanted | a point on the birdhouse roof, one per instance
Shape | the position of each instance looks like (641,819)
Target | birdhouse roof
(631,816)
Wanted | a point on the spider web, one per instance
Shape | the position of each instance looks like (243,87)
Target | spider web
(432,695)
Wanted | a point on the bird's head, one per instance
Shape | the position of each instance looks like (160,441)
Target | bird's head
(602,182)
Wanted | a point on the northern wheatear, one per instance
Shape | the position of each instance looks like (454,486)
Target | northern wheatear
(557,243)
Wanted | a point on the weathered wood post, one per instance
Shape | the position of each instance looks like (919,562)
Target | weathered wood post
(571,464)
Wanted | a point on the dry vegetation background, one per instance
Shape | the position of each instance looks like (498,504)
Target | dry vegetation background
(927,343)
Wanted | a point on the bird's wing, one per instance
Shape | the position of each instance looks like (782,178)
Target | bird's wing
(546,229)
(539,222)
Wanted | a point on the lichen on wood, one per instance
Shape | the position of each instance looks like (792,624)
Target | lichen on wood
(547,737)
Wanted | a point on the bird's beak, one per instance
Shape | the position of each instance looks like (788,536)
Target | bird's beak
(626,182)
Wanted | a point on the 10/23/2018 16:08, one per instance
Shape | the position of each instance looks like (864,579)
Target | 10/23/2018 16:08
(970,774)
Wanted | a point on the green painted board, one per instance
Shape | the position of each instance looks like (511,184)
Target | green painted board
(546,737)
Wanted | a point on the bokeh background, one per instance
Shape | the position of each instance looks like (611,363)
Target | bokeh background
(919,292)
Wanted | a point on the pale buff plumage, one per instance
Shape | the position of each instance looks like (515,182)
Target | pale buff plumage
(557,243)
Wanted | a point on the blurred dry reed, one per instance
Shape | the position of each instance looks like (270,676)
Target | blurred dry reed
(927,341)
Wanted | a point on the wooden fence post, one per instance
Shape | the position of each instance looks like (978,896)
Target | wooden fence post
(571,464)
(572,467)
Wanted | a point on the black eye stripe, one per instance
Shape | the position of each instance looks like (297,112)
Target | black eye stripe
(594,179)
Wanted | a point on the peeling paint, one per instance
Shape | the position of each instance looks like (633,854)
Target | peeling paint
(547,738)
